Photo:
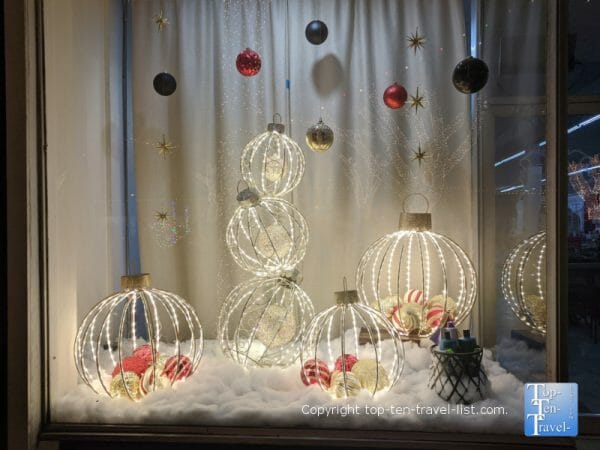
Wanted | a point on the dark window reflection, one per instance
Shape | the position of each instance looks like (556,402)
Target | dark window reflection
(584,258)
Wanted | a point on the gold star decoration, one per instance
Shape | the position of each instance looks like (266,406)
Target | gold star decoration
(416,101)
(164,147)
(416,41)
(420,155)
(161,216)
(161,20)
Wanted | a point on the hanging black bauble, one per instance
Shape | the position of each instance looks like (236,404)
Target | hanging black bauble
(316,32)
(164,83)
(470,75)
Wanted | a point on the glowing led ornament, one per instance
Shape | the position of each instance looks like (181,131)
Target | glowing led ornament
(319,137)
(524,281)
(248,62)
(266,236)
(427,274)
(341,337)
(133,330)
(262,321)
(272,163)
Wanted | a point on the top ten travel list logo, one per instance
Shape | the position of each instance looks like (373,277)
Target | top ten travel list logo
(550,409)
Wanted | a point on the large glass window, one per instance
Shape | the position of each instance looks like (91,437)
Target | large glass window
(255,165)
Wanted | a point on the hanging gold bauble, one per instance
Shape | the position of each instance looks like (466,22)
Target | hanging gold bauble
(319,137)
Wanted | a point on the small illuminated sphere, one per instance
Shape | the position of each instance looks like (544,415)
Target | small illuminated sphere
(272,163)
(319,137)
(426,275)
(129,332)
(361,333)
(266,236)
(524,281)
(262,322)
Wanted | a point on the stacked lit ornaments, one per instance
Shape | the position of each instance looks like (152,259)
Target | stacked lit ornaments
(376,357)
(262,320)
(417,278)
(137,341)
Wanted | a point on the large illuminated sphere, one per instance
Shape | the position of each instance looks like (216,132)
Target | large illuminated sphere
(137,341)
(272,163)
(262,322)
(417,278)
(524,281)
(266,236)
(356,344)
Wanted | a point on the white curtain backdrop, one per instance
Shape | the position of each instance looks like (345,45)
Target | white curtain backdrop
(350,195)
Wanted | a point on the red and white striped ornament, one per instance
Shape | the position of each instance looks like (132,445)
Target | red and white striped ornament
(147,383)
(315,372)
(435,316)
(174,371)
(414,296)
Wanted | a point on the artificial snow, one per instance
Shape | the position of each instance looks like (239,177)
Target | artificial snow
(222,393)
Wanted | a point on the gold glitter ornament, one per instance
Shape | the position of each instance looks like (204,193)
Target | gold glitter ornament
(408,317)
(344,384)
(126,385)
(372,376)
(319,137)
(537,307)
(274,241)
(386,305)
(277,326)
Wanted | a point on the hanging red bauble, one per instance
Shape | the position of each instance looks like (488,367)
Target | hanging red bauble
(248,63)
(395,96)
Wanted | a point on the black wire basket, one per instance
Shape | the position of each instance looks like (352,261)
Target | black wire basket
(458,377)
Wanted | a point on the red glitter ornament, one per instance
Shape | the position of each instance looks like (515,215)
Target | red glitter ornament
(144,352)
(175,371)
(131,364)
(395,96)
(350,360)
(315,370)
(248,63)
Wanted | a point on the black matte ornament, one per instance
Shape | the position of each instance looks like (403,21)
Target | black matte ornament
(316,32)
(164,83)
(470,75)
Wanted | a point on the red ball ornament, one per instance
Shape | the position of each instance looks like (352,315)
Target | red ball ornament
(175,371)
(144,352)
(131,364)
(248,63)
(350,361)
(395,96)
(315,372)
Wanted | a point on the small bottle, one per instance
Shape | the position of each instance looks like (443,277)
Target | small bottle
(447,343)
(467,343)
(452,330)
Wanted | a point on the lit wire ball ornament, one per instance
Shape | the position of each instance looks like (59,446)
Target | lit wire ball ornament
(138,340)
(262,321)
(319,137)
(355,345)
(417,278)
(524,281)
(272,163)
(266,235)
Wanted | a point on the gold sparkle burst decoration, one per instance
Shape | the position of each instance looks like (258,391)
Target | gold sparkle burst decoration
(161,20)
(420,155)
(416,41)
(164,147)
(416,101)
(161,216)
